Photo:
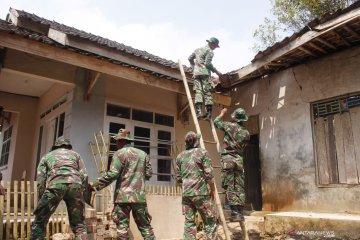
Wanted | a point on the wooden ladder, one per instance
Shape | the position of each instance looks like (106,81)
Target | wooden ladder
(202,144)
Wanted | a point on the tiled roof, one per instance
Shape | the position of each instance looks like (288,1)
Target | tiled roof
(308,27)
(103,42)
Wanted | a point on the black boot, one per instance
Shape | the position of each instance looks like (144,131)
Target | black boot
(241,212)
(198,109)
(207,115)
(235,216)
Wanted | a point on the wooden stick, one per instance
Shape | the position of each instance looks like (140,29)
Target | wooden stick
(22,227)
(8,210)
(16,204)
(94,157)
(100,155)
(198,130)
(28,222)
(1,213)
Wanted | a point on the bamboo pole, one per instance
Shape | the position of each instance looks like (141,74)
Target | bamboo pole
(47,231)
(94,157)
(28,222)
(99,151)
(1,213)
(22,226)
(35,194)
(198,130)
(16,204)
(8,210)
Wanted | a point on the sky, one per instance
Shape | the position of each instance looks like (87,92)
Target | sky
(166,28)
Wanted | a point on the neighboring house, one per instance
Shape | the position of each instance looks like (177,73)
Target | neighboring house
(303,96)
(56,80)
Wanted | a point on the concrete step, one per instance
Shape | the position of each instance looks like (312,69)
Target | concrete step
(313,225)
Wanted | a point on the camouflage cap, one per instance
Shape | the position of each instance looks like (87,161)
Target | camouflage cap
(62,141)
(239,115)
(214,40)
(191,139)
(123,134)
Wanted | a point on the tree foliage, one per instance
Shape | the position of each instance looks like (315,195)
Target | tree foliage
(291,16)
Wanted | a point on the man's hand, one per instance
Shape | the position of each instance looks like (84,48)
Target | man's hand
(218,73)
(223,112)
(91,186)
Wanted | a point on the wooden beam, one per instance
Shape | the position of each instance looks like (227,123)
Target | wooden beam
(294,44)
(63,55)
(92,79)
(341,38)
(307,51)
(27,23)
(326,43)
(351,31)
(313,45)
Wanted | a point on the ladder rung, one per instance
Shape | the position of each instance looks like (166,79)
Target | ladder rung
(213,142)
(216,166)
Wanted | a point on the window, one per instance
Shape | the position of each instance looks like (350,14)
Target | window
(142,116)
(142,138)
(5,151)
(164,155)
(59,126)
(118,111)
(164,120)
(337,140)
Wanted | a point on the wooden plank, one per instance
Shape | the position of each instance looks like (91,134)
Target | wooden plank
(47,231)
(16,204)
(2,208)
(351,31)
(22,229)
(340,153)
(8,209)
(35,194)
(331,149)
(326,43)
(321,151)
(355,120)
(341,38)
(28,202)
(313,45)
(307,51)
(349,150)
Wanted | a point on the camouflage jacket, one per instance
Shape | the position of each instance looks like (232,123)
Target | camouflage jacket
(201,60)
(235,138)
(60,166)
(194,172)
(130,167)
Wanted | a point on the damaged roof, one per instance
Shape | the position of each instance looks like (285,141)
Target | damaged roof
(33,27)
(331,33)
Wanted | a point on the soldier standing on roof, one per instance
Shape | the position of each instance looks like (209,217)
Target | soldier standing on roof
(200,61)
(195,173)
(61,175)
(235,140)
(130,167)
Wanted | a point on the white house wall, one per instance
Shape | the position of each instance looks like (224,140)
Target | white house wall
(282,101)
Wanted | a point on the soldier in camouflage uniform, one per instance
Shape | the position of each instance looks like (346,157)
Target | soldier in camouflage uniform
(130,167)
(61,175)
(200,61)
(235,140)
(195,174)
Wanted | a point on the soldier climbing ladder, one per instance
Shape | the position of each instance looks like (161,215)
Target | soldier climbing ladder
(216,140)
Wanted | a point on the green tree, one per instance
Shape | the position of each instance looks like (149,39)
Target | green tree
(291,16)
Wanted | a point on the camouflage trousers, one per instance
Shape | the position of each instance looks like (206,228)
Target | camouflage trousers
(233,178)
(71,193)
(121,217)
(203,90)
(205,206)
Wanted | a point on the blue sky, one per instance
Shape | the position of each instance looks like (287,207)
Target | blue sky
(169,29)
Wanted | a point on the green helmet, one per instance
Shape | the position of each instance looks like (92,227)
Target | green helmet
(191,140)
(239,115)
(62,141)
(214,40)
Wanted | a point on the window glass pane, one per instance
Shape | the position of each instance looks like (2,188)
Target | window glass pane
(142,139)
(113,129)
(143,116)
(164,135)
(164,167)
(61,125)
(118,111)
(164,120)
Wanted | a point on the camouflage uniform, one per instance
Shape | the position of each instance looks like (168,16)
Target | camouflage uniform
(194,172)
(235,140)
(201,60)
(61,175)
(130,167)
